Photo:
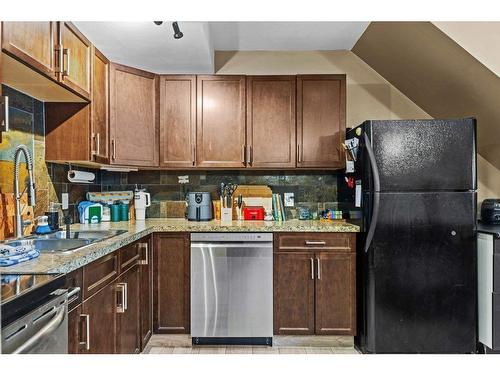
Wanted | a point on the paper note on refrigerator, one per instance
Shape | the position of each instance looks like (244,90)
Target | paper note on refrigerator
(357,194)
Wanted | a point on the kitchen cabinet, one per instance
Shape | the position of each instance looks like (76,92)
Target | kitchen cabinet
(33,43)
(146,296)
(100,107)
(321,121)
(270,125)
(220,121)
(315,284)
(178,121)
(133,117)
(74,323)
(171,270)
(128,311)
(75,58)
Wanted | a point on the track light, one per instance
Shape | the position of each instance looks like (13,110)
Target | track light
(177,32)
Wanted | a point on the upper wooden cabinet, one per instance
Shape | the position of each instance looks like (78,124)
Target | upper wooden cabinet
(320,121)
(100,107)
(33,43)
(177,121)
(74,59)
(133,117)
(221,121)
(270,121)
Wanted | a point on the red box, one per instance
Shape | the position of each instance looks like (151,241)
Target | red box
(253,213)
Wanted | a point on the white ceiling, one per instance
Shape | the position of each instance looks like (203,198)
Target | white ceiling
(147,46)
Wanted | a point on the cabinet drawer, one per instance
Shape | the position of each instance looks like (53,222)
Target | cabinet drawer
(344,242)
(99,273)
(74,279)
(129,255)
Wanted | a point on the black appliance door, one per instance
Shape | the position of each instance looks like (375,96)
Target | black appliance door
(419,284)
(422,155)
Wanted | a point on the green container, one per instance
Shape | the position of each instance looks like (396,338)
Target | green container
(115,212)
(123,212)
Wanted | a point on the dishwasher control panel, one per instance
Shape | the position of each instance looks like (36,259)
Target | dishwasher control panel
(232,237)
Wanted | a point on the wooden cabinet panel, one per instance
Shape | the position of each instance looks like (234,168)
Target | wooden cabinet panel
(75,59)
(220,121)
(341,242)
(99,312)
(32,43)
(128,319)
(270,121)
(99,273)
(100,106)
(74,329)
(171,283)
(293,294)
(146,297)
(133,117)
(320,121)
(177,121)
(336,294)
(129,256)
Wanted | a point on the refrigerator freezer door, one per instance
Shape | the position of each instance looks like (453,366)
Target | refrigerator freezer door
(419,286)
(423,155)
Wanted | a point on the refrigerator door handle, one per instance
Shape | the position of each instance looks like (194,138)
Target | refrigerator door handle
(376,193)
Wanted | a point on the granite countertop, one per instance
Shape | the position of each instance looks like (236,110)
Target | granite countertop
(69,261)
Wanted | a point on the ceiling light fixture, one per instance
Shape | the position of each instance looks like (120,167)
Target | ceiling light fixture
(158,23)
(177,32)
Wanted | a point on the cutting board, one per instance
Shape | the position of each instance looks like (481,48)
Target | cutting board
(7,215)
(253,195)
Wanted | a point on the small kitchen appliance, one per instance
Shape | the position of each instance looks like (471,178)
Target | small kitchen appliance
(490,211)
(142,200)
(254,213)
(199,206)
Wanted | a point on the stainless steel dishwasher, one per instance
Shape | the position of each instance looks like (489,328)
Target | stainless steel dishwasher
(232,288)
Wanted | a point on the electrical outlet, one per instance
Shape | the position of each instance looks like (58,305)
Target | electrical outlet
(289,199)
(64,201)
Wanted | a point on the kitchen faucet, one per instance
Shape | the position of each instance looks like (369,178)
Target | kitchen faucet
(22,149)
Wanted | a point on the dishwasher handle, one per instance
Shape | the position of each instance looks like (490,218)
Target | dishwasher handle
(199,245)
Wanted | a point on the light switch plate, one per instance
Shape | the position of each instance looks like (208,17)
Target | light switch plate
(289,199)
(64,201)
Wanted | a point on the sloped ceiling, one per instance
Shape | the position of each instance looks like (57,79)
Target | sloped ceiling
(437,74)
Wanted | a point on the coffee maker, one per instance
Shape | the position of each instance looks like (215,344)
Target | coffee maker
(142,200)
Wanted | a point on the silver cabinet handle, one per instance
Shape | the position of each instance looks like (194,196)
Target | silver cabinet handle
(299,159)
(5,118)
(87,329)
(113,148)
(65,70)
(315,243)
(98,144)
(145,260)
(243,154)
(59,50)
(125,301)
(122,307)
(194,155)
(251,154)
(312,268)
(319,268)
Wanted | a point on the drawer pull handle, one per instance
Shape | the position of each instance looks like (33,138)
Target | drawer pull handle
(87,331)
(312,268)
(315,243)
(319,268)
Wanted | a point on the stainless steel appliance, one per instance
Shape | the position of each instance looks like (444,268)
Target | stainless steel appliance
(34,314)
(416,182)
(232,288)
(199,206)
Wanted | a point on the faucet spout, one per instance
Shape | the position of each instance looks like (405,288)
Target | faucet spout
(22,150)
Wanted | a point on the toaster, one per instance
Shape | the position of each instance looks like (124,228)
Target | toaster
(490,211)
(199,206)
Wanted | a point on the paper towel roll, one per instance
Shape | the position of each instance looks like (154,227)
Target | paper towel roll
(81,177)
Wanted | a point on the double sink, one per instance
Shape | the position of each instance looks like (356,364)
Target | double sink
(58,242)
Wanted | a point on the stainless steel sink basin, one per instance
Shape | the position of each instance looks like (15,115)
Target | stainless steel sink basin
(57,242)
(52,244)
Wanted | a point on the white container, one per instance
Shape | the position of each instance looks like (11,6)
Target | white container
(142,200)
(226,215)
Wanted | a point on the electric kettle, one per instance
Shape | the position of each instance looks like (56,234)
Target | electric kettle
(142,200)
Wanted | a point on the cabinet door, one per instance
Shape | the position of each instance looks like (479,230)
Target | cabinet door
(177,121)
(32,43)
(335,294)
(271,121)
(171,283)
(98,319)
(133,117)
(74,330)
(294,293)
(320,121)
(220,121)
(146,294)
(100,106)
(128,312)
(75,59)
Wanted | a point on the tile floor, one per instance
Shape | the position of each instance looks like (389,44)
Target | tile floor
(181,344)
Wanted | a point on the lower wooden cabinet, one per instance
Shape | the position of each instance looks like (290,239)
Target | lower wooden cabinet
(128,312)
(74,319)
(171,299)
(315,284)
(146,297)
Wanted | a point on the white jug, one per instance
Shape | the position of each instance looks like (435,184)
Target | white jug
(141,201)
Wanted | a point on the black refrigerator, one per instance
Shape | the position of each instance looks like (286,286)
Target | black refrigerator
(416,184)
